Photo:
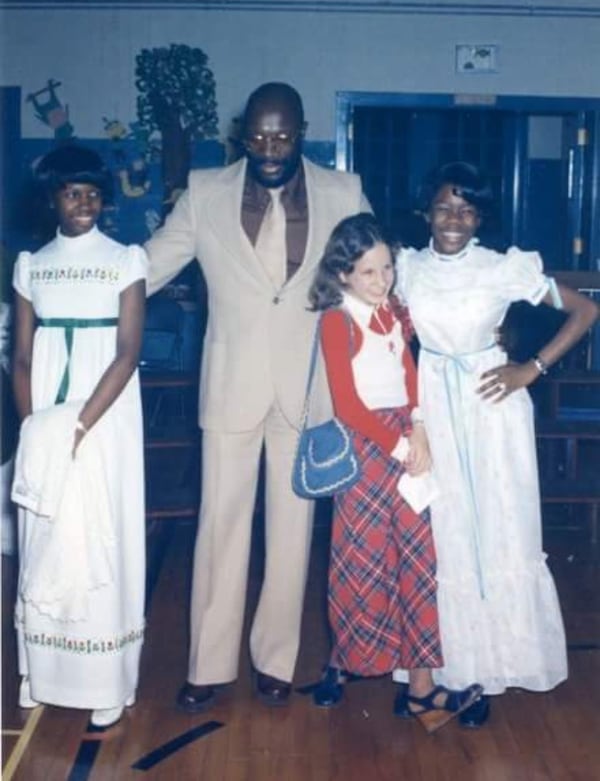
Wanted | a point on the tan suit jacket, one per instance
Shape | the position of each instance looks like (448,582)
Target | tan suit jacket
(258,338)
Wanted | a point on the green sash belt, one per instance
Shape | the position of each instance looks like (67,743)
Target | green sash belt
(70,324)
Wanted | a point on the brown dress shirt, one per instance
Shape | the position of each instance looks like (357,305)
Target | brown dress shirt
(255,200)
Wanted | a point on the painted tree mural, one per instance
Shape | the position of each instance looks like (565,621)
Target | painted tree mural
(177,98)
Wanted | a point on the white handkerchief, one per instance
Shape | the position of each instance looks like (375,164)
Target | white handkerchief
(418,491)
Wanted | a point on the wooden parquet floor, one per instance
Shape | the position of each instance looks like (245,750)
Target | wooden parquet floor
(530,737)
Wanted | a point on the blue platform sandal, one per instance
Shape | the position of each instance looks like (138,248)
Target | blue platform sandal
(434,715)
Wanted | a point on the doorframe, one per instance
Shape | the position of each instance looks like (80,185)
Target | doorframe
(586,202)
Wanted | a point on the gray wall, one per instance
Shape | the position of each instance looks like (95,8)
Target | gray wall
(92,52)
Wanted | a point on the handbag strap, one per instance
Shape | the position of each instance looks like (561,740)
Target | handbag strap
(313,365)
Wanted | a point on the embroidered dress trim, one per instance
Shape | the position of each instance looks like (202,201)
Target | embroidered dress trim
(81,646)
(75,273)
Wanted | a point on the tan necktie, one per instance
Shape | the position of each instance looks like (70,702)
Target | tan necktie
(270,243)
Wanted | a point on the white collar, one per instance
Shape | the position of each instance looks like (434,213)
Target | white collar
(77,242)
(457,256)
(360,310)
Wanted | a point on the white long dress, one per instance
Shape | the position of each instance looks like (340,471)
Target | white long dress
(499,614)
(91,662)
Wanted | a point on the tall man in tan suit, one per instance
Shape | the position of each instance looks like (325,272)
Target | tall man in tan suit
(252,382)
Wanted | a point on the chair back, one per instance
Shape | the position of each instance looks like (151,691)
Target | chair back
(163,335)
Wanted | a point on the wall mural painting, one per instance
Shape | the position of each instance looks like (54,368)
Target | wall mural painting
(176,129)
(135,159)
(50,111)
(131,165)
(177,98)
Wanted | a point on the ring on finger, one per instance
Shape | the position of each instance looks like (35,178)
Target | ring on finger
(502,387)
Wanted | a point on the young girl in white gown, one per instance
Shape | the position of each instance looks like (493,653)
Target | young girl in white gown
(79,476)
(499,614)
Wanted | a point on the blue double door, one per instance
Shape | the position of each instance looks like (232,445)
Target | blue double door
(542,155)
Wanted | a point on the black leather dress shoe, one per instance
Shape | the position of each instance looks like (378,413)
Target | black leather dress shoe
(194,699)
(272,691)
(329,692)
(477,714)
(401,708)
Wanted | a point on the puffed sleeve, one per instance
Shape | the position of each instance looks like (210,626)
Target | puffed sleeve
(522,276)
(134,266)
(21,276)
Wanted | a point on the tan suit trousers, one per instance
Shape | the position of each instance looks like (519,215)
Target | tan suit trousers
(229,481)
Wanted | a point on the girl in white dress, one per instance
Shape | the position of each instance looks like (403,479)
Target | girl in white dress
(499,614)
(79,320)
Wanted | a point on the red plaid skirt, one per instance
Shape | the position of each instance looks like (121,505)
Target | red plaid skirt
(382,587)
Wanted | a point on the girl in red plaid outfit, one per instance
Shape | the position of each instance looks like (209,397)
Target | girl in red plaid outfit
(382,587)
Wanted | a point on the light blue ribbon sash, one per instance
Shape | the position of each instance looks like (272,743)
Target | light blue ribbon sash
(70,324)
(456,370)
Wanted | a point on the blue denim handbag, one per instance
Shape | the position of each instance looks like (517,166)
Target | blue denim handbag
(325,461)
